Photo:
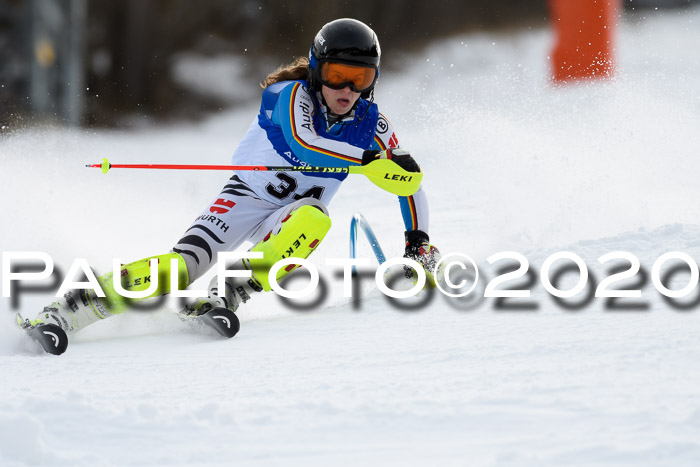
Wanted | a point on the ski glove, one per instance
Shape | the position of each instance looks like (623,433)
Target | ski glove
(418,248)
(402,157)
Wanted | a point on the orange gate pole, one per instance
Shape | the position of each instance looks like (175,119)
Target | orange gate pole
(584,36)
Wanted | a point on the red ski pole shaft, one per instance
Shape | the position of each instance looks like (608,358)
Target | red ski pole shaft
(183,167)
(106,166)
(384,173)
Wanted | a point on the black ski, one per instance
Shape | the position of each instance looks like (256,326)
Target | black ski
(222,320)
(52,338)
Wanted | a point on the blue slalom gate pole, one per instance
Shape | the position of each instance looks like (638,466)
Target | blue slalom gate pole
(359,220)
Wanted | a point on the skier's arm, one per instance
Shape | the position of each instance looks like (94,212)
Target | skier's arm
(414,208)
(293,113)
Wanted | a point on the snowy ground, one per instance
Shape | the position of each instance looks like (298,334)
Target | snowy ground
(511,164)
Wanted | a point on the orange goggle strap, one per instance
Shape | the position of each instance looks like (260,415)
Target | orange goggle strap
(338,75)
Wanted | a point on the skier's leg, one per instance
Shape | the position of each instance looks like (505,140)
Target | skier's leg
(79,308)
(293,231)
(297,231)
(231,218)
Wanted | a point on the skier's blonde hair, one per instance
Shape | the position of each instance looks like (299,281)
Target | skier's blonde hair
(297,70)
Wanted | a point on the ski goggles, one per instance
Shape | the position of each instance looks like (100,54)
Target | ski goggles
(338,75)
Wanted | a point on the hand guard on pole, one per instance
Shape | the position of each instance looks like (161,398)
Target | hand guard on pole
(402,158)
(418,248)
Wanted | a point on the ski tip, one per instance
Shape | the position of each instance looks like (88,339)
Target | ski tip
(223,320)
(52,338)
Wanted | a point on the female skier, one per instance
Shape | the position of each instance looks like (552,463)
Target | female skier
(318,111)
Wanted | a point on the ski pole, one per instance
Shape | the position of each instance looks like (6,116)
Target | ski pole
(384,173)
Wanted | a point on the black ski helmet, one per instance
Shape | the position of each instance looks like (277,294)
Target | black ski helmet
(344,40)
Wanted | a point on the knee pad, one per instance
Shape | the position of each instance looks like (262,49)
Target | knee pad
(301,232)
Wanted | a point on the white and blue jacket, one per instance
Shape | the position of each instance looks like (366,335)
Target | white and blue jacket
(291,129)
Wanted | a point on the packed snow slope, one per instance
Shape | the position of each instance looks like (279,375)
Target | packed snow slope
(511,162)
